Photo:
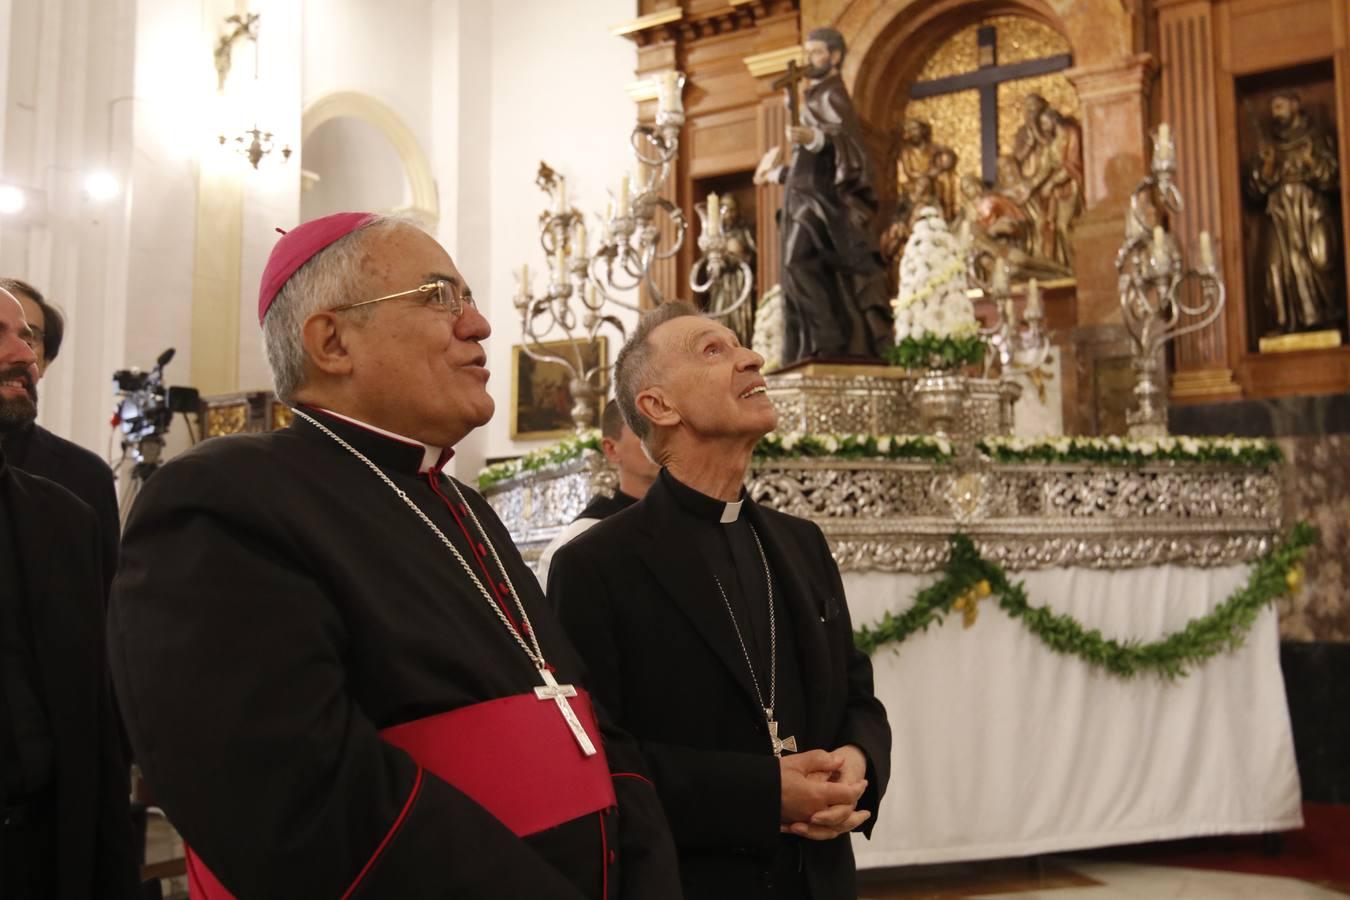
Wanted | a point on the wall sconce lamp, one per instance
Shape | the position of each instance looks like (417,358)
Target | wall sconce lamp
(237,28)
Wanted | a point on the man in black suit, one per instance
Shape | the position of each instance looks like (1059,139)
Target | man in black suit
(36,450)
(65,828)
(717,633)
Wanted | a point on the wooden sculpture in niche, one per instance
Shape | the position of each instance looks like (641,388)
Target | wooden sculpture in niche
(1299,257)
(726,289)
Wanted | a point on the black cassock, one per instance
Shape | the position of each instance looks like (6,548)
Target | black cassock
(835,298)
(639,593)
(277,606)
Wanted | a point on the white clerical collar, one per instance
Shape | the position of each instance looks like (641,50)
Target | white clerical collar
(731,512)
(431,456)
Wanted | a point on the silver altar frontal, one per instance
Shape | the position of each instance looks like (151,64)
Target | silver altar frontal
(896,516)
(822,398)
(1003,747)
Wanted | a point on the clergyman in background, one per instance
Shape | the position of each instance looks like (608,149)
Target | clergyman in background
(34,449)
(65,823)
(636,473)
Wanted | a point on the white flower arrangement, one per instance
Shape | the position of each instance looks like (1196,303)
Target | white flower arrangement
(933,297)
(1115,450)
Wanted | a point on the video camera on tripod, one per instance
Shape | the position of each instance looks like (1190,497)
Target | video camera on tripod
(145,408)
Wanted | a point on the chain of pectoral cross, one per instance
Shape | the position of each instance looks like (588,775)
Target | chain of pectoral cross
(550,690)
(777,744)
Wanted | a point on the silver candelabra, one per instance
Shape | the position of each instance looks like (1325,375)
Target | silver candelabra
(579,303)
(1153,280)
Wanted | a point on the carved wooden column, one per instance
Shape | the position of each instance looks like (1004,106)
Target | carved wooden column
(1113,98)
(1186,54)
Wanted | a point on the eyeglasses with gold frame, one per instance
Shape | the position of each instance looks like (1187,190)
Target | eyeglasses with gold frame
(445,296)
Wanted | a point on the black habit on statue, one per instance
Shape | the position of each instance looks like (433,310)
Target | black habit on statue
(59,723)
(277,607)
(639,594)
(39,452)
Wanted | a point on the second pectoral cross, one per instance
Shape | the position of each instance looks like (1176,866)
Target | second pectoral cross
(559,693)
(780,746)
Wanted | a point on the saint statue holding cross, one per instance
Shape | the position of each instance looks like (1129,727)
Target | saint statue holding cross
(834,282)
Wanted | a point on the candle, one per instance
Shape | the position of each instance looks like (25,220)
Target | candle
(560,257)
(999,285)
(1206,252)
(1034,309)
(579,238)
(1164,149)
(1159,240)
(609,212)
(669,99)
(714,216)
(562,194)
(623,196)
(524,278)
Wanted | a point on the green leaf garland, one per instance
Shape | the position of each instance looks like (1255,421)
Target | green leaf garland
(933,352)
(967,577)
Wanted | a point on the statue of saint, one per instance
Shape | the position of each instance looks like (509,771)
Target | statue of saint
(726,290)
(1044,176)
(929,169)
(1295,172)
(835,298)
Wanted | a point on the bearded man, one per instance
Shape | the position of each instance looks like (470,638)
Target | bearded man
(34,449)
(65,824)
(717,632)
(339,676)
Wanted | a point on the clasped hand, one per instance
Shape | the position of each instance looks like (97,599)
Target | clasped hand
(820,792)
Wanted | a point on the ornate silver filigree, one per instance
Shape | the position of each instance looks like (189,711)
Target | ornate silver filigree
(896,516)
(880,401)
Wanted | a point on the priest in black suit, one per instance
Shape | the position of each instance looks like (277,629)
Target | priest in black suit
(34,449)
(340,677)
(65,826)
(717,632)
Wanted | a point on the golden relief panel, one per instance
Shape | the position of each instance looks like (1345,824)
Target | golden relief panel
(956,117)
(956,122)
(1055,88)
(226,419)
(1021,38)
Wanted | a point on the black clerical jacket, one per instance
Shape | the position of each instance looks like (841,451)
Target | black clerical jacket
(278,606)
(654,630)
(39,452)
(61,584)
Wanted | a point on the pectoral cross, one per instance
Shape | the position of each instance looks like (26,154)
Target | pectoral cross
(788,744)
(559,693)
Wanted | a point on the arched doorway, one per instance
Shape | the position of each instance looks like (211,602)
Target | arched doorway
(353,134)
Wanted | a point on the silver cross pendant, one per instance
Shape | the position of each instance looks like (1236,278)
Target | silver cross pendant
(787,744)
(559,693)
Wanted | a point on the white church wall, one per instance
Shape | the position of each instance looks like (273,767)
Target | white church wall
(272,192)
(382,49)
(68,76)
(557,80)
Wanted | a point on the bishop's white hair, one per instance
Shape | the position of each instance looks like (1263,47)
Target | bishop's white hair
(329,278)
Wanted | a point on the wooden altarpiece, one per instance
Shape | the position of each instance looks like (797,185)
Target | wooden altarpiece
(733,52)
(1221,60)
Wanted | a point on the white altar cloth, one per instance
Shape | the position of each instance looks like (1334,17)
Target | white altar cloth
(1004,748)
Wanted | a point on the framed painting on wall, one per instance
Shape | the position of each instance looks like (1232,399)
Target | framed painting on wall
(541,396)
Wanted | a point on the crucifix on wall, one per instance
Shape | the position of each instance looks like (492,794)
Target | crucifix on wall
(986,80)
